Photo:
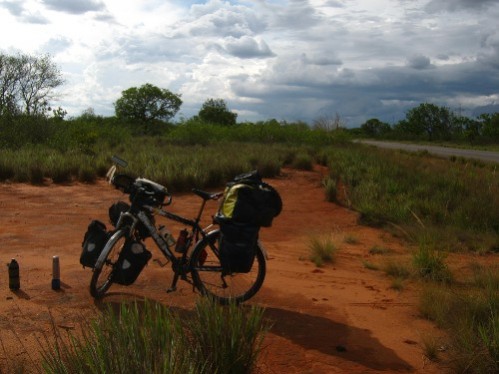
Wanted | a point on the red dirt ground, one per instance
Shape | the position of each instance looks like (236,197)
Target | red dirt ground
(341,318)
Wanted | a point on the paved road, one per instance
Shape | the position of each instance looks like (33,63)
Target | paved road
(441,151)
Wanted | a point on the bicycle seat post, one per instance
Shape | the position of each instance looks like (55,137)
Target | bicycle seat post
(201,209)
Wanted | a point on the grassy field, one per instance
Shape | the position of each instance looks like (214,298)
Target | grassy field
(439,206)
(147,337)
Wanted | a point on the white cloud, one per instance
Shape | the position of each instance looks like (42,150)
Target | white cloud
(284,59)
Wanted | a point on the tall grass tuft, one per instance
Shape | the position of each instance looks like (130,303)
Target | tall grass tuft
(149,338)
(323,249)
(303,161)
(228,338)
(430,264)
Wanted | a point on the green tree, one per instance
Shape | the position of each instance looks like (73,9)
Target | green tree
(374,128)
(490,126)
(216,111)
(147,103)
(27,83)
(431,120)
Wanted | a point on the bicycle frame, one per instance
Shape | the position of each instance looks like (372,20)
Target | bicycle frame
(136,223)
(180,265)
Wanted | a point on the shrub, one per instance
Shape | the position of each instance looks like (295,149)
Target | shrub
(149,338)
(397,270)
(228,338)
(303,161)
(429,264)
(469,313)
(330,189)
(322,249)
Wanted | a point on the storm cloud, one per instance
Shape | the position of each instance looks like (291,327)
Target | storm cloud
(285,59)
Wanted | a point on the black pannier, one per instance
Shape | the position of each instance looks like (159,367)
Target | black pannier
(119,207)
(115,211)
(238,243)
(93,243)
(247,199)
(132,259)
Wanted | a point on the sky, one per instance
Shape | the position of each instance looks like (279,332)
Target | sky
(289,60)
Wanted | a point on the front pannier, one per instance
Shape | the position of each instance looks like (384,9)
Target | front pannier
(93,243)
(115,211)
(132,259)
(238,243)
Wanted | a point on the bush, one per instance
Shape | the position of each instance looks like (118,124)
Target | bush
(322,250)
(469,313)
(149,338)
(430,265)
(302,161)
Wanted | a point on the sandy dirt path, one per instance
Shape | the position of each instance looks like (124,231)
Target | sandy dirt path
(340,318)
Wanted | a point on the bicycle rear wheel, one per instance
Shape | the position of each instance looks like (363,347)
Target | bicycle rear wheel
(208,276)
(102,277)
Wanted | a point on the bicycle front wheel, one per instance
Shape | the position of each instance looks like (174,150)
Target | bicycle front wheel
(102,277)
(209,278)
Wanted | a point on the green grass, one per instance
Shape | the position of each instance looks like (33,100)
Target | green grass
(469,313)
(371,266)
(456,203)
(431,347)
(398,284)
(397,270)
(323,249)
(149,338)
(379,250)
(303,161)
(351,239)
(430,264)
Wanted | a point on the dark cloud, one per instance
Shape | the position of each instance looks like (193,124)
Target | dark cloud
(490,52)
(297,14)
(75,6)
(322,60)
(456,5)
(335,4)
(248,47)
(387,94)
(419,62)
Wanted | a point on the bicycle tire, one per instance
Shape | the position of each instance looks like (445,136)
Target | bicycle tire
(102,277)
(207,273)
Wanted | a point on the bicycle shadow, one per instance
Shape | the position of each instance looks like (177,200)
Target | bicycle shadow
(117,299)
(334,339)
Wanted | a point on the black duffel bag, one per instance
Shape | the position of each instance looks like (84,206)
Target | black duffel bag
(132,259)
(238,243)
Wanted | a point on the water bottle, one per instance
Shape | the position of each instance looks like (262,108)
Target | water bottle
(14,281)
(167,235)
(56,273)
(181,241)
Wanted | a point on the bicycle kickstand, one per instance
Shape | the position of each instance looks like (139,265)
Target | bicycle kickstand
(173,287)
